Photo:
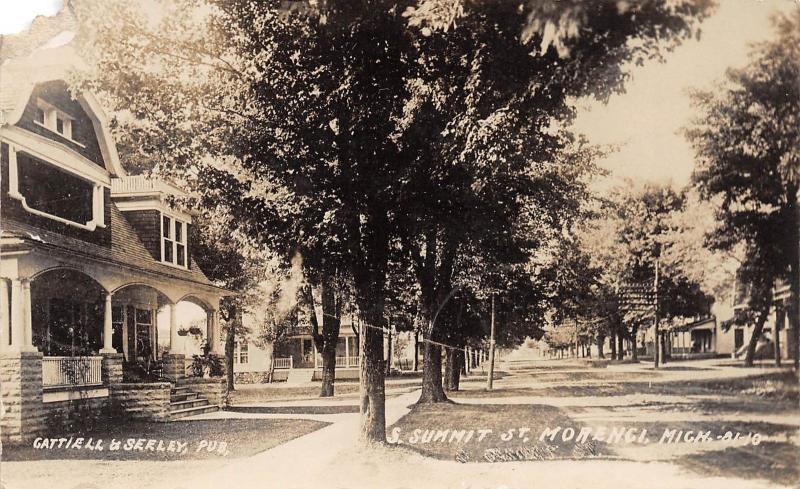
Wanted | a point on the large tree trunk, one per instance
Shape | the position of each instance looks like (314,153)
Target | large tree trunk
(230,344)
(779,325)
(620,345)
(613,345)
(601,339)
(328,370)
(432,390)
(372,394)
(416,351)
(634,334)
(327,340)
(751,346)
(793,309)
(454,363)
(389,354)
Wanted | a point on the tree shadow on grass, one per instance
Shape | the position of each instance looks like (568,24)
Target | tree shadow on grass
(780,388)
(492,433)
(777,462)
(344,409)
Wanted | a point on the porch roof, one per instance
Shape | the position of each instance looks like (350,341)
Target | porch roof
(126,249)
(704,323)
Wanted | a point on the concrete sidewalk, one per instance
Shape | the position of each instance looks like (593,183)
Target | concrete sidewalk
(303,459)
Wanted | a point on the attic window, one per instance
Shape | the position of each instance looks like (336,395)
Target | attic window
(53,119)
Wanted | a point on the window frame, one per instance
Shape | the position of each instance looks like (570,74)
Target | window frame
(173,245)
(51,117)
(241,355)
(98,198)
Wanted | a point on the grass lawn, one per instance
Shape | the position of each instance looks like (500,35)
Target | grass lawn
(491,432)
(778,462)
(254,393)
(780,389)
(191,440)
(24,466)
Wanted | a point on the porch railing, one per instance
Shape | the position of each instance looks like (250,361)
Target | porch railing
(343,362)
(72,371)
(285,362)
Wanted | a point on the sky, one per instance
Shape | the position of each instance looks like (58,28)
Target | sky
(645,122)
(647,119)
(16,15)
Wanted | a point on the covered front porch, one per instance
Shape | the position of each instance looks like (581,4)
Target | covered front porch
(66,314)
(693,340)
(74,328)
(301,352)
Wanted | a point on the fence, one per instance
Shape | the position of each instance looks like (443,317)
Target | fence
(72,371)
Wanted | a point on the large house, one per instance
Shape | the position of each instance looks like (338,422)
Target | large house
(88,257)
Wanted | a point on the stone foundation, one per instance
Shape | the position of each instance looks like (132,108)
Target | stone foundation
(148,402)
(213,389)
(21,390)
(174,366)
(251,377)
(72,416)
(112,368)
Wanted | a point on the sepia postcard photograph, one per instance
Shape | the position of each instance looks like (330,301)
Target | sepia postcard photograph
(399,244)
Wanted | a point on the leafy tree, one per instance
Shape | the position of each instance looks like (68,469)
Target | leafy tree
(625,242)
(485,126)
(287,118)
(225,259)
(295,120)
(747,143)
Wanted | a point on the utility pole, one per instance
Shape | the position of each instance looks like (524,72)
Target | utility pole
(490,378)
(657,342)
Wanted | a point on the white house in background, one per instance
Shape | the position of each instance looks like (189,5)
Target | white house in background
(254,363)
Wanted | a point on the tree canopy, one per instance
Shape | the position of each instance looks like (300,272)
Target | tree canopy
(747,142)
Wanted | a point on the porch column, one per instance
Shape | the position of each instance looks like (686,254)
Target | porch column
(108,330)
(20,315)
(212,325)
(347,350)
(125,331)
(4,319)
(173,329)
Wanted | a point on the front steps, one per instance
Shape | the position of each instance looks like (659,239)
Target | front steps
(183,403)
(300,376)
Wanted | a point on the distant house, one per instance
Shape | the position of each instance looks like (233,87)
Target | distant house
(90,254)
(297,359)
(734,340)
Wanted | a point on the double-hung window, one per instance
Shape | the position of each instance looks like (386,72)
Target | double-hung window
(240,354)
(173,241)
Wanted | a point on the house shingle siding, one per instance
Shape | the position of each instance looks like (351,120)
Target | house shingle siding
(12,209)
(57,94)
(126,247)
(147,224)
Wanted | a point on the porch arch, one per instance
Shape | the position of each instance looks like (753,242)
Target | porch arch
(67,312)
(98,280)
(212,318)
(136,307)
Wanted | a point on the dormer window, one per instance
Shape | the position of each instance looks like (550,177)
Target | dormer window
(173,241)
(53,119)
